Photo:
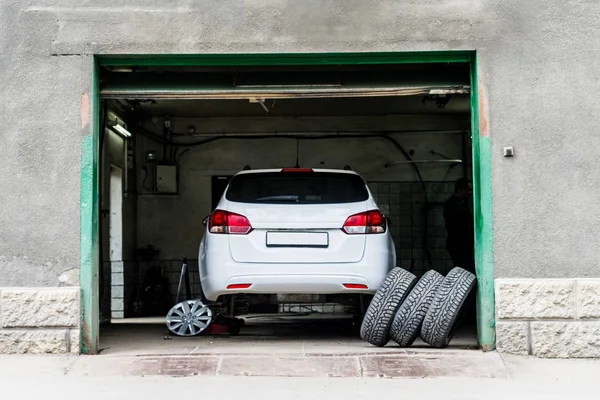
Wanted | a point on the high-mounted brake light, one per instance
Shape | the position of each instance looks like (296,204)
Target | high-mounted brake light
(297,170)
(228,223)
(364,223)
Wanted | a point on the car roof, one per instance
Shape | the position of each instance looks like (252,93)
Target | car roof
(273,170)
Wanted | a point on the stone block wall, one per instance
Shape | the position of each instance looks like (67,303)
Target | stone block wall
(39,320)
(554,318)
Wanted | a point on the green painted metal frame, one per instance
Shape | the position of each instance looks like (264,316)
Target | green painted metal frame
(482,178)
(89,254)
(268,59)
(483,215)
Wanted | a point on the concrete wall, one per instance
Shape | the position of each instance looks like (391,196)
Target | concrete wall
(539,85)
(174,224)
(539,55)
(112,277)
(114,154)
(40,320)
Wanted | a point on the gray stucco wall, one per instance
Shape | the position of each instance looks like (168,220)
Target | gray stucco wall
(538,70)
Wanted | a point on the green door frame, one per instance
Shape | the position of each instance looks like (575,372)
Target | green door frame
(482,177)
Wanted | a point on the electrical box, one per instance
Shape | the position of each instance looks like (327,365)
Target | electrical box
(166,179)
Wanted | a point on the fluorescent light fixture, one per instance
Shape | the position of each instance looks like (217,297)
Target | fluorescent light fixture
(121,69)
(124,132)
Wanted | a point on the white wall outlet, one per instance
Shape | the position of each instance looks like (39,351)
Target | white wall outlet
(509,151)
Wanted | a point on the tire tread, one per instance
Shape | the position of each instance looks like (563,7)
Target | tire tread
(380,313)
(410,315)
(446,307)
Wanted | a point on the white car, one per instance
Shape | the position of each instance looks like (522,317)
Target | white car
(295,231)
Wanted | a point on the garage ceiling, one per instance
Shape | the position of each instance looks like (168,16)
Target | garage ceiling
(374,90)
(315,82)
(372,106)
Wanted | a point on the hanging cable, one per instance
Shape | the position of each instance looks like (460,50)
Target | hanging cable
(178,160)
(282,136)
(425,241)
(145,169)
(383,135)
(297,153)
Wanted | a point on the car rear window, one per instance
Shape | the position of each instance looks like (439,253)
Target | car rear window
(297,188)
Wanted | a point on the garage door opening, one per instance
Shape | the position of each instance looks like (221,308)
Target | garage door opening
(178,135)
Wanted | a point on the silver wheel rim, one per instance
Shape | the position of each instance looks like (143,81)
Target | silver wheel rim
(189,318)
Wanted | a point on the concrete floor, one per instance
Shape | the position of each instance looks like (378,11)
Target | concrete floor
(308,346)
(314,334)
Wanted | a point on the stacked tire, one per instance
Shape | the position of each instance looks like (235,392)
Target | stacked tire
(405,308)
(382,309)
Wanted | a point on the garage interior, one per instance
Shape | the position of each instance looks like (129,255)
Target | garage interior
(405,128)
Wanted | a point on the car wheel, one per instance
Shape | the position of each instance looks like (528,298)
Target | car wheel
(409,317)
(380,313)
(189,318)
(441,319)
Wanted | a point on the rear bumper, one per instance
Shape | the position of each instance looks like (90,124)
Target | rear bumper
(218,271)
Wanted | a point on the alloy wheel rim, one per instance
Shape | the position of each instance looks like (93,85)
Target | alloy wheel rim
(189,318)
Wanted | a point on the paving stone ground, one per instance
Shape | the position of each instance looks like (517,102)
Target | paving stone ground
(310,347)
(61,378)
(469,364)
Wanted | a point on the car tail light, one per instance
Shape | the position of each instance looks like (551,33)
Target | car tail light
(368,222)
(297,170)
(229,223)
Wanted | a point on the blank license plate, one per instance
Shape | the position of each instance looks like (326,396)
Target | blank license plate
(297,239)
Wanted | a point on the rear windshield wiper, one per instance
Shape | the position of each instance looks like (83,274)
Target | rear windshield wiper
(279,198)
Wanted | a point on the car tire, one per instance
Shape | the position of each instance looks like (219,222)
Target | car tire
(380,313)
(410,315)
(441,319)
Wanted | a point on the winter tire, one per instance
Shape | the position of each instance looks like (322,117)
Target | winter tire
(409,317)
(441,319)
(380,313)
